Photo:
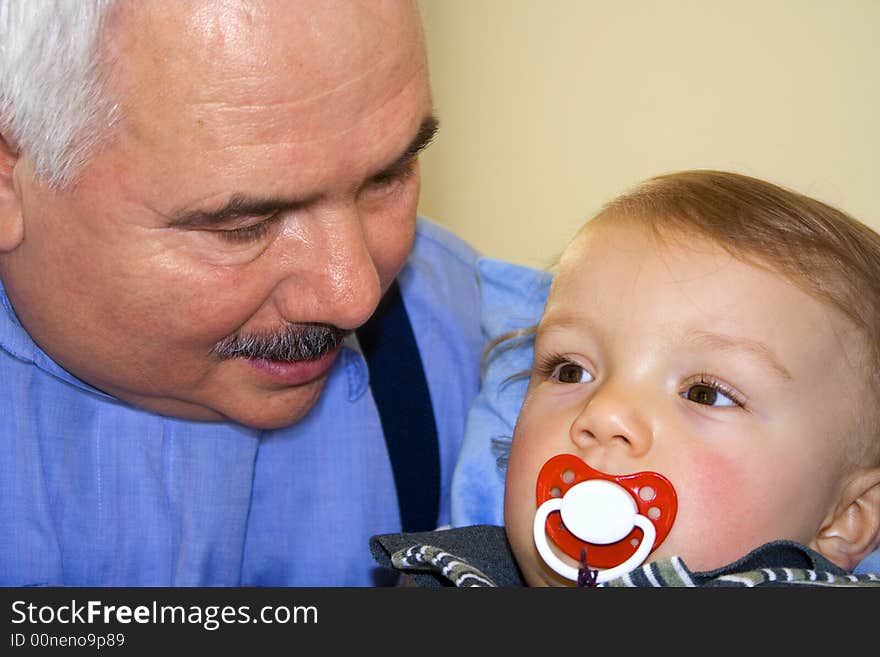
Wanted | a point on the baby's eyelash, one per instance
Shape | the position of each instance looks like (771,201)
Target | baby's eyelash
(718,386)
(546,364)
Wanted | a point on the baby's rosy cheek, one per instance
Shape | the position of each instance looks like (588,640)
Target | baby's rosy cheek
(716,509)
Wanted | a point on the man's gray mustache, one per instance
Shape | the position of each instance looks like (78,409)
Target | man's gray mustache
(296,342)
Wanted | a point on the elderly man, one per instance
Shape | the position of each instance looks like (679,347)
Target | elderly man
(201,202)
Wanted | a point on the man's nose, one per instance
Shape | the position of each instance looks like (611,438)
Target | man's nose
(611,420)
(336,279)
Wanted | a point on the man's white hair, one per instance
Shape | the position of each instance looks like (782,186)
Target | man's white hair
(53,103)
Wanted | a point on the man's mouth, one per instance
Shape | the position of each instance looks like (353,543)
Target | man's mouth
(295,343)
(292,373)
(296,355)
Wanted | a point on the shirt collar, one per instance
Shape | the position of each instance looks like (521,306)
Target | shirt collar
(355,366)
(15,340)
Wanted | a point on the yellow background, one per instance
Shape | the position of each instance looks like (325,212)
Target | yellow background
(548,108)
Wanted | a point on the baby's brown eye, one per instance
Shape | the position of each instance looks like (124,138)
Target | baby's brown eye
(712,393)
(572,373)
(702,395)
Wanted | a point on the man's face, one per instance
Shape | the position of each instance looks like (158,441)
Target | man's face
(263,177)
(674,357)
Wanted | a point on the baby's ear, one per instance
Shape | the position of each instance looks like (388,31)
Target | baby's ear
(853,531)
(11,220)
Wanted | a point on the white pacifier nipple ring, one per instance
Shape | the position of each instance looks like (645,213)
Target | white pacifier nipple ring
(596,511)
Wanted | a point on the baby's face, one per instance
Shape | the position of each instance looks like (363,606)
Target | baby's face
(674,357)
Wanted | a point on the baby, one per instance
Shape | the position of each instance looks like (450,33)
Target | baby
(703,402)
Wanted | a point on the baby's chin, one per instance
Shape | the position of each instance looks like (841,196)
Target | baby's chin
(705,556)
(537,573)
(699,560)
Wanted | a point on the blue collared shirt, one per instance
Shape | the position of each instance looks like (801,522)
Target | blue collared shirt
(95,492)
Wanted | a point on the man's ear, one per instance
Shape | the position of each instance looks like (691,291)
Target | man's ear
(853,531)
(11,219)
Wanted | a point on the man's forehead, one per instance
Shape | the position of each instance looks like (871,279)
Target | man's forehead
(313,41)
(196,130)
(268,72)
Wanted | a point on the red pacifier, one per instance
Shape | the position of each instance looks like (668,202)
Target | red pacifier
(618,520)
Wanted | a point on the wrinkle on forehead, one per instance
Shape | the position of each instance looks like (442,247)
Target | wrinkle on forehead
(320,45)
(269,62)
(360,86)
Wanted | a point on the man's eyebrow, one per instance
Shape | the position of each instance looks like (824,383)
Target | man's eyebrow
(241,206)
(730,343)
(237,207)
(425,135)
